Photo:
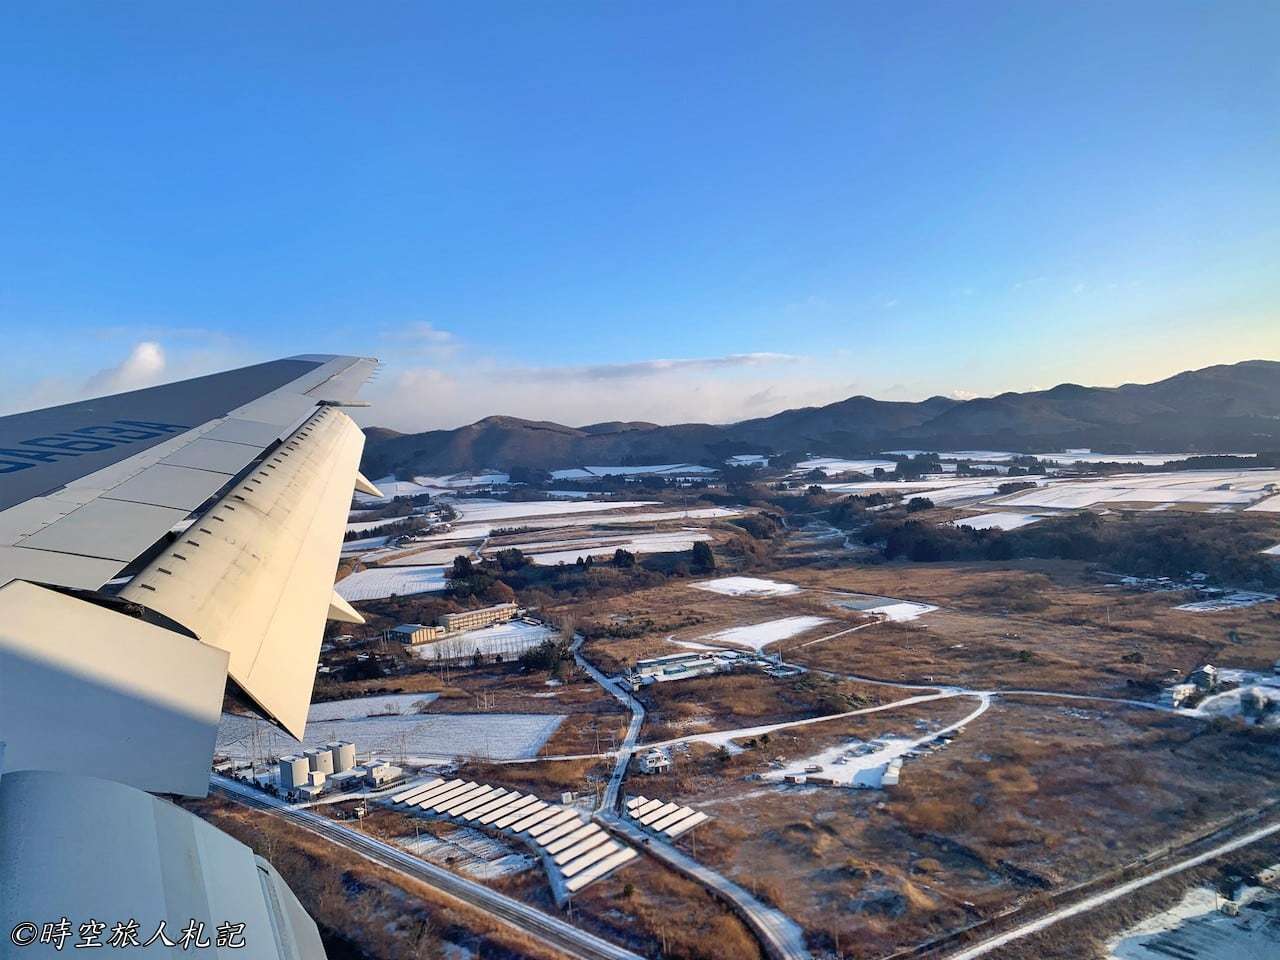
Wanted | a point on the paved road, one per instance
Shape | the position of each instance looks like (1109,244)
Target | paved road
(1115,893)
(839,633)
(628,745)
(554,932)
(783,938)
(723,736)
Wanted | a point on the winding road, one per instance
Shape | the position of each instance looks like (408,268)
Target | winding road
(628,745)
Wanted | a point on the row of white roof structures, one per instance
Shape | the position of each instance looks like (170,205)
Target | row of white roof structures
(574,851)
(669,820)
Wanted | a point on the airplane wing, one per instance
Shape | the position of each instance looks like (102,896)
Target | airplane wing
(218,505)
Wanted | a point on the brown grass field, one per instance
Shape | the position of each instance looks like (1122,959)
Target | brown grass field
(747,698)
(1033,796)
(1022,624)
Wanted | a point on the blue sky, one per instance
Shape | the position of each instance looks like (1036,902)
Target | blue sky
(529,208)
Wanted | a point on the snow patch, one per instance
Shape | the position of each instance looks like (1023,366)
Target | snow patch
(998,521)
(757,636)
(748,587)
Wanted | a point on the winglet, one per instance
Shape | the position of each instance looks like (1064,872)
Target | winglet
(342,611)
(364,486)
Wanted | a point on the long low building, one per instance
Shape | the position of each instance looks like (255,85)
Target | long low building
(471,619)
(415,634)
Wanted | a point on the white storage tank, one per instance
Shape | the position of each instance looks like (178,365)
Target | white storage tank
(320,761)
(293,772)
(343,753)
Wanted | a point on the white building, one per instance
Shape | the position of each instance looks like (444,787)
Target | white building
(655,761)
(380,773)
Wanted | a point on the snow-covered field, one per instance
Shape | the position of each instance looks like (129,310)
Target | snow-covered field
(1146,459)
(1231,488)
(363,526)
(422,738)
(957,494)
(834,465)
(478,531)
(509,639)
(376,583)
(748,460)
(999,521)
(439,555)
(652,469)
(489,510)
(973,456)
(358,708)
(757,636)
(939,490)
(671,541)
(363,544)
(460,481)
(392,488)
(747,587)
(1273,551)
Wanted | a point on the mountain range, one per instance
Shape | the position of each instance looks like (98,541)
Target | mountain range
(1227,408)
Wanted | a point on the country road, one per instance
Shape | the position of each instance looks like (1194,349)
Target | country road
(783,937)
(552,931)
(628,745)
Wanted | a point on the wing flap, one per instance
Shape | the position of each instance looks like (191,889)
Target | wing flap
(254,574)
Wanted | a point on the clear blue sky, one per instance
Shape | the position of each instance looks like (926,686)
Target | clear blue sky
(521,206)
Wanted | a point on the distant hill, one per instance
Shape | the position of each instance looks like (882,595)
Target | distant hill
(1231,407)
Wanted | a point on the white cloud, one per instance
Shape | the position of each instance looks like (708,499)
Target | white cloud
(422,331)
(147,363)
(708,389)
(422,340)
(647,369)
(143,367)
(963,395)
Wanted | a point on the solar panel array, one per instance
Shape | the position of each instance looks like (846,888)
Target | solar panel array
(579,851)
(669,820)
